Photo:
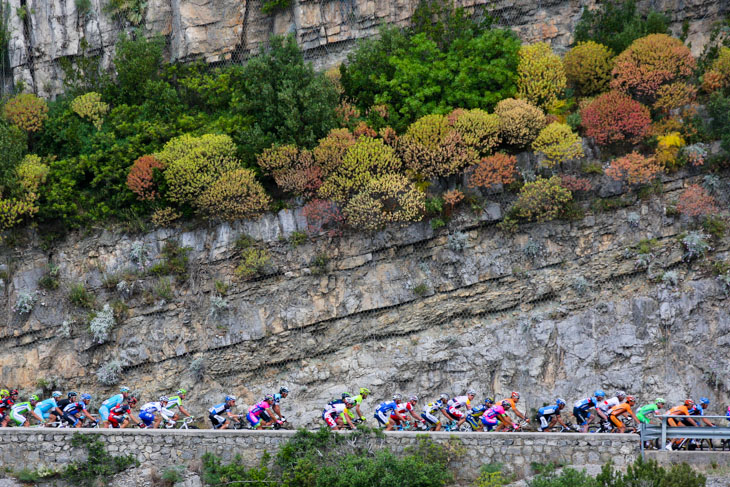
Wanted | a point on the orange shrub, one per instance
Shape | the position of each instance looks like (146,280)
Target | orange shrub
(634,169)
(614,117)
(496,169)
(26,111)
(141,177)
(696,201)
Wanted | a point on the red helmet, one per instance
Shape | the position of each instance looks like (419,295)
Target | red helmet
(14,392)
(689,403)
(630,399)
(515,395)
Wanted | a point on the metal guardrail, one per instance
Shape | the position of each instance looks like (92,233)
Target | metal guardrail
(649,432)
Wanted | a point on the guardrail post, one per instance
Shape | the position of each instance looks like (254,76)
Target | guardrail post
(642,435)
(664,433)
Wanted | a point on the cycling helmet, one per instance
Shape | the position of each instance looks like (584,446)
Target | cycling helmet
(704,401)
(56,394)
(660,400)
(181,392)
(33,398)
(471,392)
(230,398)
(364,391)
(269,398)
(164,399)
(444,397)
(397,397)
(620,394)
(599,393)
(124,389)
(630,399)
(84,397)
(413,398)
(71,394)
(346,394)
(506,404)
(4,393)
(349,401)
(488,401)
(14,392)
(689,403)
(132,401)
(283,390)
(560,402)
(515,395)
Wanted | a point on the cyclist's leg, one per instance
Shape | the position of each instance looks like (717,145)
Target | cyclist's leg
(432,421)
(18,419)
(617,423)
(543,423)
(381,418)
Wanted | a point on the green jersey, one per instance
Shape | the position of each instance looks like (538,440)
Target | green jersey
(351,412)
(643,411)
(173,402)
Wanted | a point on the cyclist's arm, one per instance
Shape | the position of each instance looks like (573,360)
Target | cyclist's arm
(447,415)
(398,416)
(414,415)
(694,423)
(707,422)
(559,419)
(184,411)
(57,412)
(88,415)
(277,410)
(40,419)
(346,415)
(271,413)
(633,415)
(520,415)
(505,420)
(359,413)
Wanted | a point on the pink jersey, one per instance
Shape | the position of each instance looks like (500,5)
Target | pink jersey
(494,411)
(258,408)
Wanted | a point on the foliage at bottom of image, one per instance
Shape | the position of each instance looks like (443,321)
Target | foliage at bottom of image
(322,458)
(95,471)
(641,473)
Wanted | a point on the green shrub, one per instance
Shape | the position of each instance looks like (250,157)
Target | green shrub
(389,199)
(541,75)
(90,106)
(98,466)
(235,195)
(81,297)
(174,261)
(616,24)
(558,143)
(478,129)
(297,238)
(13,145)
(253,261)
(137,62)
(434,70)
(274,6)
(49,280)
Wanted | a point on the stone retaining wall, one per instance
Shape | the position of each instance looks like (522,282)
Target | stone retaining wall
(33,448)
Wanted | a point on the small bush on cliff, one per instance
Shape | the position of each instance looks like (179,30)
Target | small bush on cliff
(99,464)
(616,24)
(558,143)
(102,324)
(588,68)
(613,117)
(385,200)
(541,75)
(520,121)
(542,200)
(26,111)
(109,373)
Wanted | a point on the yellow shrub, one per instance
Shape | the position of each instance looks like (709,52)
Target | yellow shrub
(90,106)
(520,121)
(389,199)
(479,130)
(367,159)
(194,163)
(558,143)
(429,131)
(541,75)
(332,149)
(674,95)
(32,173)
(667,152)
(588,68)
(235,195)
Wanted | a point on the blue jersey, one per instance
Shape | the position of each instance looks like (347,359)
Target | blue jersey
(585,404)
(219,408)
(277,398)
(548,411)
(696,410)
(113,401)
(74,408)
(387,406)
(47,405)
(478,410)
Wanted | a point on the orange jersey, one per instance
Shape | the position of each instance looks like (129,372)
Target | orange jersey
(622,408)
(678,411)
(511,402)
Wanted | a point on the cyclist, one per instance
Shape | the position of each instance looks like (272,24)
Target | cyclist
(513,400)
(582,412)
(175,402)
(282,394)
(474,414)
(387,410)
(215,413)
(681,410)
(333,413)
(119,416)
(432,409)
(405,408)
(549,415)
(6,404)
(699,410)
(642,414)
(456,403)
(259,409)
(622,410)
(73,411)
(364,393)
(604,406)
(148,412)
(16,412)
(496,414)
(113,401)
(70,397)
(48,409)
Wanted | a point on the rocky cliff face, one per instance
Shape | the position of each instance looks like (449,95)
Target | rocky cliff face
(556,309)
(42,32)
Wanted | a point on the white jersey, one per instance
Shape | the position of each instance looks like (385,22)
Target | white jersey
(608,404)
(151,407)
(337,408)
(459,401)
